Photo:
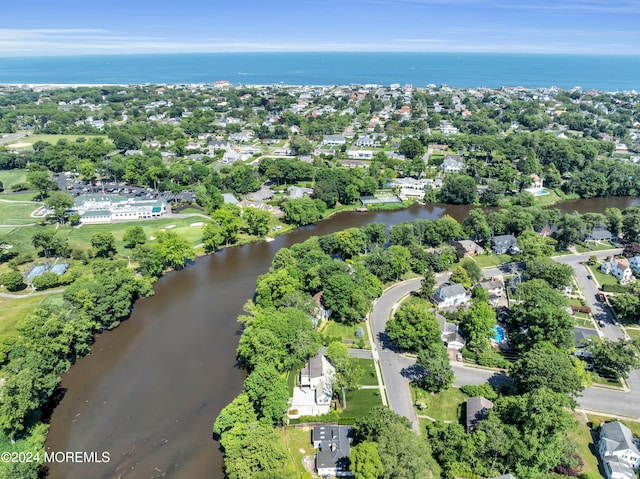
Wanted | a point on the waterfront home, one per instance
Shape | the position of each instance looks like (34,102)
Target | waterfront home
(450,295)
(334,443)
(297,192)
(312,396)
(467,248)
(477,407)
(618,451)
(598,235)
(618,267)
(410,187)
(452,164)
(504,244)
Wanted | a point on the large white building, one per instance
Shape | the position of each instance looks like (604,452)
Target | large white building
(97,209)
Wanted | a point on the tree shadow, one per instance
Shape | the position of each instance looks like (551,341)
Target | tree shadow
(387,343)
(413,373)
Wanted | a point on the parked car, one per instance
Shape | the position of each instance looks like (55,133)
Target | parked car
(589,277)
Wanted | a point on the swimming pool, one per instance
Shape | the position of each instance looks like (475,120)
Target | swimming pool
(498,334)
(541,192)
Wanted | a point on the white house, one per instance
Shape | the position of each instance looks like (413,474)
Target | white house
(95,209)
(333,140)
(618,451)
(410,187)
(451,295)
(635,263)
(452,164)
(313,395)
(618,267)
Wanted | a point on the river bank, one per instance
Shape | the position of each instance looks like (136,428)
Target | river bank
(151,388)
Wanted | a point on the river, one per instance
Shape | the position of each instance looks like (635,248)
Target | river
(150,390)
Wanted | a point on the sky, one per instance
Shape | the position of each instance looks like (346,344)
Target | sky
(85,27)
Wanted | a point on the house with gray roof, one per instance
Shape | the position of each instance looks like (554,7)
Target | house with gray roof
(334,140)
(598,235)
(450,334)
(450,295)
(334,443)
(504,244)
(477,407)
(312,396)
(618,450)
(452,164)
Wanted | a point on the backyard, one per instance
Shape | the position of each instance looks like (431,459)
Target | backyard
(442,406)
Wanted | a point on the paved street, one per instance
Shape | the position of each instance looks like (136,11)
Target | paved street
(395,366)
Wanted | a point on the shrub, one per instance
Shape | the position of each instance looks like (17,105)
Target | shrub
(482,390)
(13,281)
(359,332)
(595,423)
(45,281)
(21,259)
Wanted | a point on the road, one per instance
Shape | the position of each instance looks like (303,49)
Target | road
(394,365)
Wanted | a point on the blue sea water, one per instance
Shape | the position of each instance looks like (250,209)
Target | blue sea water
(602,72)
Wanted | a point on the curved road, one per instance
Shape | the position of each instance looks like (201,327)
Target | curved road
(392,362)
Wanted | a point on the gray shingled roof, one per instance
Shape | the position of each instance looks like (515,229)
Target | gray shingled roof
(617,437)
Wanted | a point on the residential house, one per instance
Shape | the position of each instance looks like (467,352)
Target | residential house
(230,199)
(536,182)
(450,334)
(219,145)
(452,164)
(447,128)
(230,156)
(297,192)
(365,141)
(239,137)
(467,248)
(598,235)
(582,338)
(548,230)
(410,187)
(506,476)
(333,140)
(312,397)
(496,291)
(450,295)
(618,267)
(635,263)
(334,443)
(504,244)
(477,407)
(360,154)
(618,451)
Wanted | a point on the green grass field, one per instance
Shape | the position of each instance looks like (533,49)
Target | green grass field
(369,377)
(489,260)
(81,237)
(334,329)
(594,247)
(546,200)
(586,448)
(634,333)
(443,406)
(18,196)
(14,309)
(601,277)
(17,213)
(360,402)
(53,139)
(11,177)
(298,443)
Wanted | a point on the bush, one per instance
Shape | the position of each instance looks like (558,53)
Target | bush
(483,390)
(614,288)
(45,281)
(19,187)
(359,332)
(13,281)
(595,423)
(21,259)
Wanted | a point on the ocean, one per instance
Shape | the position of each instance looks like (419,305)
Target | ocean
(601,72)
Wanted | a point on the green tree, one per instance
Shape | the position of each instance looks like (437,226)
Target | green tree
(348,373)
(150,260)
(545,366)
(365,461)
(13,281)
(240,410)
(50,242)
(476,226)
(133,236)
(458,190)
(212,237)
(60,202)
(268,392)
(477,326)
(40,181)
(257,221)
(614,220)
(228,218)
(74,219)
(175,249)
(459,275)
(104,243)
(474,272)
(614,358)
(411,148)
(436,373)
(414,326)
(555,274)
(405,455)
(631,224)
(301,211)
(534,246)
(427,284)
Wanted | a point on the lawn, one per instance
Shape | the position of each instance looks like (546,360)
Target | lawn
(586,448)
(634,333)
(292,379)
(298,443)
(546,200)
(583,321)
(600,277)
(597,379)
(11,177)
(369,377)
(17,213)
(14,309)
(334,329)
(443,406)
(490,260)
(53,139)
(605,245)
(30,196)
(360,402)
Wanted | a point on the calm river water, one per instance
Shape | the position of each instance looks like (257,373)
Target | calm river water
(150,390)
